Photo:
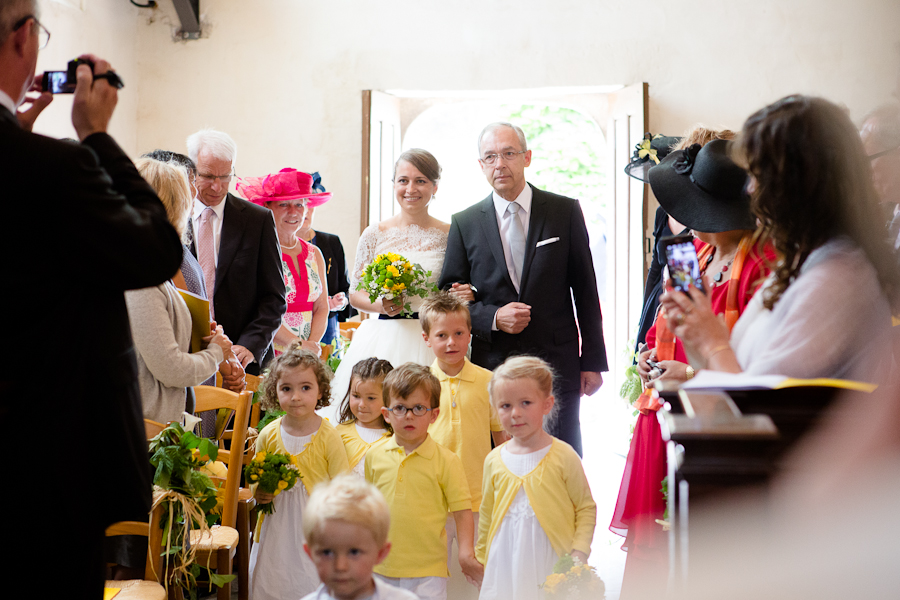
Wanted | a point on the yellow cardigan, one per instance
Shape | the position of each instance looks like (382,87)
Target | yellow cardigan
(322,459)
(355,446)
(559,495)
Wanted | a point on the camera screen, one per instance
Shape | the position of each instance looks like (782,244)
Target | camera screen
(684,269)
(56,82)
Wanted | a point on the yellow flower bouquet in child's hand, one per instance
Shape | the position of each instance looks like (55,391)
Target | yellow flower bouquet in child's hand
(274,472)
(572,580)
(392,276)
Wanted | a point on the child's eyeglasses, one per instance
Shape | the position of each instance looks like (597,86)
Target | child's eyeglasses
(418,410)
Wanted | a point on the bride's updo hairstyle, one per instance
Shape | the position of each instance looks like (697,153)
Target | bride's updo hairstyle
(424,161)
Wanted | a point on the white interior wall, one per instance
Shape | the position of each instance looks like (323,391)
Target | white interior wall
(283,77)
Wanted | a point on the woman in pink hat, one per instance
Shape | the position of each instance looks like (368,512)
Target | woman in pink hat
(288,194)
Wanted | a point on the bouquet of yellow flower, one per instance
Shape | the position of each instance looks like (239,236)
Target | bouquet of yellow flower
(571,579)
(274,472)
(392,276)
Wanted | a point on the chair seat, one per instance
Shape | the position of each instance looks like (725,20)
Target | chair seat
(137,589)
(218,537)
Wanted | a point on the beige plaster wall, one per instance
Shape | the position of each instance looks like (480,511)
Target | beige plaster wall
(283,77)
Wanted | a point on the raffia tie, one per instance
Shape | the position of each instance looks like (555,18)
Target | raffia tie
(192,514)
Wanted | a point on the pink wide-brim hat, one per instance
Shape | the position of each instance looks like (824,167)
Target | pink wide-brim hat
(287,184)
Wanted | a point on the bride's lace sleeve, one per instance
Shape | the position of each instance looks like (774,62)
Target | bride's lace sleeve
(365,253)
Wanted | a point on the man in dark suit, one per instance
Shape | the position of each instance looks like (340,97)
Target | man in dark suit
(82,227)
(237,246)
(526,253)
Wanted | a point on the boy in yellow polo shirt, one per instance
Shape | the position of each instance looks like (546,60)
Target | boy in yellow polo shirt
(421,481)
(467,421)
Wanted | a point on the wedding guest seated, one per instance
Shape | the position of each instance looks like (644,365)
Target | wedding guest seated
(161,322)
(703,189)
(825,310)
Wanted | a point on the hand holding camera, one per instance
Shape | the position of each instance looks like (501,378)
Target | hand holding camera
(93,105)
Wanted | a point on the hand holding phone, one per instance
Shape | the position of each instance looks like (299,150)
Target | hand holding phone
(681,259)
(56,82)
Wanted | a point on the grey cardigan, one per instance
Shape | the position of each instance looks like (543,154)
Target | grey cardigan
(161,328)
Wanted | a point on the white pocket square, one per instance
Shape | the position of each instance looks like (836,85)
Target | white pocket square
(547,241)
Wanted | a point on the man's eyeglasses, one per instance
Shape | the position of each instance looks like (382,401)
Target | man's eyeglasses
(211,179)
(509,155)
(418,410)
(43,34)
(883,153)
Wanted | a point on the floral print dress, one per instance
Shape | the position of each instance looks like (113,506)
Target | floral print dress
(303,288)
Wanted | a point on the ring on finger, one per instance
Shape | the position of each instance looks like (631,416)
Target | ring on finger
(680,319)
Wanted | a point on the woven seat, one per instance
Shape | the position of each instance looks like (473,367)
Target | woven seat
(218,538)
(138,589)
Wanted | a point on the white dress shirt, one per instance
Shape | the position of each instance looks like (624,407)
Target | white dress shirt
(504,220)
(217,219)
(7,102)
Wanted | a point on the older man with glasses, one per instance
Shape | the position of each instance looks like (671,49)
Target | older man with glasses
(82,227)
(236,243)
(526,254)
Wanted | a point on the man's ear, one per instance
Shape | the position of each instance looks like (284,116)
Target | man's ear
(528,158)
(21,38)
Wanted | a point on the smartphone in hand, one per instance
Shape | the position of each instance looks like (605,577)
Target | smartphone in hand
(681,258)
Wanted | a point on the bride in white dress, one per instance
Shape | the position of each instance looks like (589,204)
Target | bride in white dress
(419,237)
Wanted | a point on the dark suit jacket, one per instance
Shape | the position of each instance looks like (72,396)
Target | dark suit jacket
(249,299)
(552,274)
(82,226)
(337,275)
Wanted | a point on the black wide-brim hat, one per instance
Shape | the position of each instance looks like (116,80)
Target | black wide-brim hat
(703,189)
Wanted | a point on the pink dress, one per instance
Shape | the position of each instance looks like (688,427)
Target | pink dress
(303,288)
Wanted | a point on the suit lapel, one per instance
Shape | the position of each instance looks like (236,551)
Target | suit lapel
(232,232)
(9,117)
(492,235)
(536,220)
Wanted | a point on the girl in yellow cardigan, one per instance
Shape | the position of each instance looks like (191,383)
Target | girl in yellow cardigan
(361,423)
(537,504)
(298,382)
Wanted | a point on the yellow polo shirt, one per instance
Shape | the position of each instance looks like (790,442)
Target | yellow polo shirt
(558,492)
(466,421)
(355,446)
(421,488)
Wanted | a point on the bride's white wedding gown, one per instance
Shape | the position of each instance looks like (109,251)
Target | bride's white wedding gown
(395,340)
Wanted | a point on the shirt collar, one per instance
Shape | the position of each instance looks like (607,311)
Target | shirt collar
(467,373)
(425,450)
(218,209)
(7,102)
(524,200)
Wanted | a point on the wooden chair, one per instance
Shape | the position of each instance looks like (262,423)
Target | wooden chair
(219,548)
(152,428)
(149,587)
(347,328)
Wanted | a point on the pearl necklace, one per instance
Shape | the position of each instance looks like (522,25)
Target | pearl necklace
(291,247)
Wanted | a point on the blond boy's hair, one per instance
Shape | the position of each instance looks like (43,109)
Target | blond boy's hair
(442,303)
(406,379)
(350,499)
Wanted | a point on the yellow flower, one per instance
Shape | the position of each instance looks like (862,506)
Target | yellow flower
(276,492)
(260,471)
(645,150)
(393,270)
(393,256)
(254,477)
(260,456)
(282,484)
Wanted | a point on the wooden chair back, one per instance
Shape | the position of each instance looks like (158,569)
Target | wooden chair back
(153,428)
(213,398)
(153,568)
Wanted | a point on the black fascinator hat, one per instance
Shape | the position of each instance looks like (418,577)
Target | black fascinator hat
(648,153)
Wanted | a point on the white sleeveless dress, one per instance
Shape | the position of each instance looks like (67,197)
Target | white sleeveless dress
(395,340)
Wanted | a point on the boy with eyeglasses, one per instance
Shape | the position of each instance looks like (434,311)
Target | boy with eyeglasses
(422,481)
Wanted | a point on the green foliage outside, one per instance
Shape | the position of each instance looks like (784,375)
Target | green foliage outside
(564,161)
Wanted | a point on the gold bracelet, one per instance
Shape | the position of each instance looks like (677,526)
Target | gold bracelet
(689,372)
(718,349)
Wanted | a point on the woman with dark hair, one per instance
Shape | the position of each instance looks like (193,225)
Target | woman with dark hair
(824,311)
